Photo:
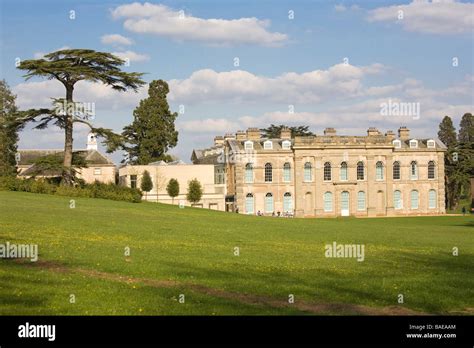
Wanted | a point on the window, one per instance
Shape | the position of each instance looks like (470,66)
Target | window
(219,175)
(361,200)
(343,172)
(379,171)
(431,170)
(267,145)
(249,203)
(413,144)
(328,201)
(248,145)
(268,172)
(397,144)
(97,171)
(286,145)
(269,203)
(413,170)
(360,171)
(397,200)
(327,171)
(287,172)
(396,170)
(431,199)
(431,144)
(308,176)
(248,173)
(133,181)
(287,203)
(414,199)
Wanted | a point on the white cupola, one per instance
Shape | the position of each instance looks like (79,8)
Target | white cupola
(91,141)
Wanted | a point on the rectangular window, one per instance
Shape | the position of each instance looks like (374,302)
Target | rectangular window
(361,200)
(397,199)
(328,201)
(414,199)
(432,199)
(133,181)
(97,171)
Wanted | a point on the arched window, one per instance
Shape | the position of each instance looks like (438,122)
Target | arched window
(396,170)
(248,173)
(327,171)
(397,199)
(327,201)
(414,199)
(268,172)
(249,203)
(431,170)
(287,203)
(361,200)
(379,170)
(308,175)
(287,172)
(343,172)
(360,171)
(431,199)
(413,170)
(269,203)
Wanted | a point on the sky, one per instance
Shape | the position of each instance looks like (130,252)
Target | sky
(232,64)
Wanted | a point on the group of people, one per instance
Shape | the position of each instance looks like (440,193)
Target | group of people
(278,214)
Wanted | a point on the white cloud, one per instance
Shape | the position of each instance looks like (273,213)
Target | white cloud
(338,81)
(132,56)
(115,39)
(39,55)
(163,21)
(39,94)
(340,8)
(211,125)
(425,16)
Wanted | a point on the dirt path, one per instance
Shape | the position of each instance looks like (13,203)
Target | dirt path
(304,306)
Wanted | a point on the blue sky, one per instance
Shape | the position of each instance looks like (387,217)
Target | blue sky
(283,62)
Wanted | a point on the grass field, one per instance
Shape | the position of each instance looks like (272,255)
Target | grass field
(191,251)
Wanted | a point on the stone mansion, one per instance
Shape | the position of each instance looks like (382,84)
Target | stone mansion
(328,175)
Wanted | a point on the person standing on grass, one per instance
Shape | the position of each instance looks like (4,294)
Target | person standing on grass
(463,211)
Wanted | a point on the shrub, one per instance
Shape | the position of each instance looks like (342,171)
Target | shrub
(95,190)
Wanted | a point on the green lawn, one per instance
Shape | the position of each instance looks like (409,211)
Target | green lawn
(191,251)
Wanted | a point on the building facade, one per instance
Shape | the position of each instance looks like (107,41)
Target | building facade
(330,175)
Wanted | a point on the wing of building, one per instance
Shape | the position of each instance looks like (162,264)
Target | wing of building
(325,175)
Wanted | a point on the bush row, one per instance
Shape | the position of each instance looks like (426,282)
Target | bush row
(95,190)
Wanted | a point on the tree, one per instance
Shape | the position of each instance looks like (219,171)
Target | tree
(146,184)
(466,129)
(447,132)
(152,132)
(9,128)
(274,131)
(173,189)
(69,67)
(194,191)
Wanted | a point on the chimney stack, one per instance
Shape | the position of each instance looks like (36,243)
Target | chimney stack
(285,133)
(330,132)
(404,133)
(218,140)
(229,136)
(372,131)
(253,134)
(240,135)
(390,135)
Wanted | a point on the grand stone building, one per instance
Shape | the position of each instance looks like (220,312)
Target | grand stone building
(329,175)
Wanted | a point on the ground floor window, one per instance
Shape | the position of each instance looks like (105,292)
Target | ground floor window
(269,203)
(432,199)
(414,199)
(328,201)
(133,181)
(397,200)
(249,203)
(361,200)
(287,203)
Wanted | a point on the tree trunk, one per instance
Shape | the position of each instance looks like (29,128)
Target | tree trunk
(68,139)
